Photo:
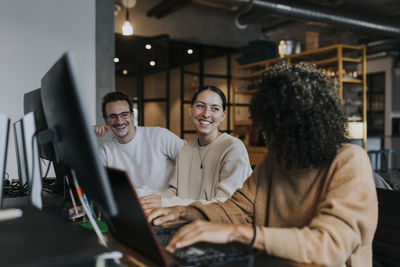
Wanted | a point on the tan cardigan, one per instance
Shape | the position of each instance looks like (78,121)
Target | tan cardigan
(324,216)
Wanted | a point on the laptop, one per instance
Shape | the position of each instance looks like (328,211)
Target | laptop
(131,227)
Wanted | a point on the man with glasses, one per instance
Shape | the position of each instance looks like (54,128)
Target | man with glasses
(146,153)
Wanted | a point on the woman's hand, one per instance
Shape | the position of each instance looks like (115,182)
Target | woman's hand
(101,130)
(199,231)
(150,202)
(159,216)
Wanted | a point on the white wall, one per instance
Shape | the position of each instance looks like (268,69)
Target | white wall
(33,35)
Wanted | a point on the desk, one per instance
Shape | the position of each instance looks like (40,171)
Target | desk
(39,239)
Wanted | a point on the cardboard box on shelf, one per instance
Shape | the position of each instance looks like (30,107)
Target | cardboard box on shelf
(312,40)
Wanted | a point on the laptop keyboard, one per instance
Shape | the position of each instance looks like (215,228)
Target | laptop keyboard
(202,254)
(164,234)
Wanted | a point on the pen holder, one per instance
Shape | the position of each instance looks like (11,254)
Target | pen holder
(75,213)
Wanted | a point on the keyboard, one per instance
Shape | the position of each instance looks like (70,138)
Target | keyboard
(164,234)
(203,254)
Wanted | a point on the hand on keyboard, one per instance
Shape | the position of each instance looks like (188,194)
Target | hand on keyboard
(159,216)
(202,231)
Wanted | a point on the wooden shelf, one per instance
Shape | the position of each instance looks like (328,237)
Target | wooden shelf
(347,80)
(352,60)
(354,118)
(334,61)
(261,149)
(336,57)
(246,92)
(243,123)
(248,76)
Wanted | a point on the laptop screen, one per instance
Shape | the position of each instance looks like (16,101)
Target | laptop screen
(130,225)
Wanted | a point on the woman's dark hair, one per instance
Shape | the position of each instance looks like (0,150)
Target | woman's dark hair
(211,88)
(297,109)
(113,97)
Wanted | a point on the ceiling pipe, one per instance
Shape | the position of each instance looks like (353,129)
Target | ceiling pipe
(318,13)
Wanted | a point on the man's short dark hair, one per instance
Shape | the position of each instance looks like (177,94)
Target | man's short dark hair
(298,110)
(113,97)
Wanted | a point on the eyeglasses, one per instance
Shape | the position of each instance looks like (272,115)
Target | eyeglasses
(122,115)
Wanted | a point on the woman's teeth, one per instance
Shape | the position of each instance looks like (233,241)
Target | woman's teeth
(205,123)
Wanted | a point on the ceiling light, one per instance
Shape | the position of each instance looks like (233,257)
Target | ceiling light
(190,51)
(148,46)
(125,72)
(152,63)
(116,59)
(127,28)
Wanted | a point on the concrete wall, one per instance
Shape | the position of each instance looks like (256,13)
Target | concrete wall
(33,35)
(105,50)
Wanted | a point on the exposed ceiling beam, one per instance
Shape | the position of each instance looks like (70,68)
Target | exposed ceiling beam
(167,7)
(301,10)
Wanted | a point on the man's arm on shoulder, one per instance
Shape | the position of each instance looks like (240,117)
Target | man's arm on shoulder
(171,143)
(101,130)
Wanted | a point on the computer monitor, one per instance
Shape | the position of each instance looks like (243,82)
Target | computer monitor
(20,153)
(33,103)
(4,129)
(74,138)
(32,160)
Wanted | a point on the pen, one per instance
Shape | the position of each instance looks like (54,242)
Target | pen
(9,214)
(88,205)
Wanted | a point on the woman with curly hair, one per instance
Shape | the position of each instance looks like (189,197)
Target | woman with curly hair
(312,198)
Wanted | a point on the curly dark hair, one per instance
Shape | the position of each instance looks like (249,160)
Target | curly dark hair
(113,97)
(297,109)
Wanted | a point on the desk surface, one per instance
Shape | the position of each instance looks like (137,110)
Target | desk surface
(39,239)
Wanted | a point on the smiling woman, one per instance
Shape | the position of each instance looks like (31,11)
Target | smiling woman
(207,112)
(211,167)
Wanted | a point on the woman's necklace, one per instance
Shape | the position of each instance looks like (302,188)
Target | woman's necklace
(208,148)
(205,155)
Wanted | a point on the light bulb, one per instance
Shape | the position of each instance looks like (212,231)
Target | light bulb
(127,28)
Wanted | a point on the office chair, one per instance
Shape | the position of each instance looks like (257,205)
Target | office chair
(386,244)
(384,162)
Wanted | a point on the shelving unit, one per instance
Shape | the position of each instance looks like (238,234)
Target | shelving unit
(346,63)
(245,80)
